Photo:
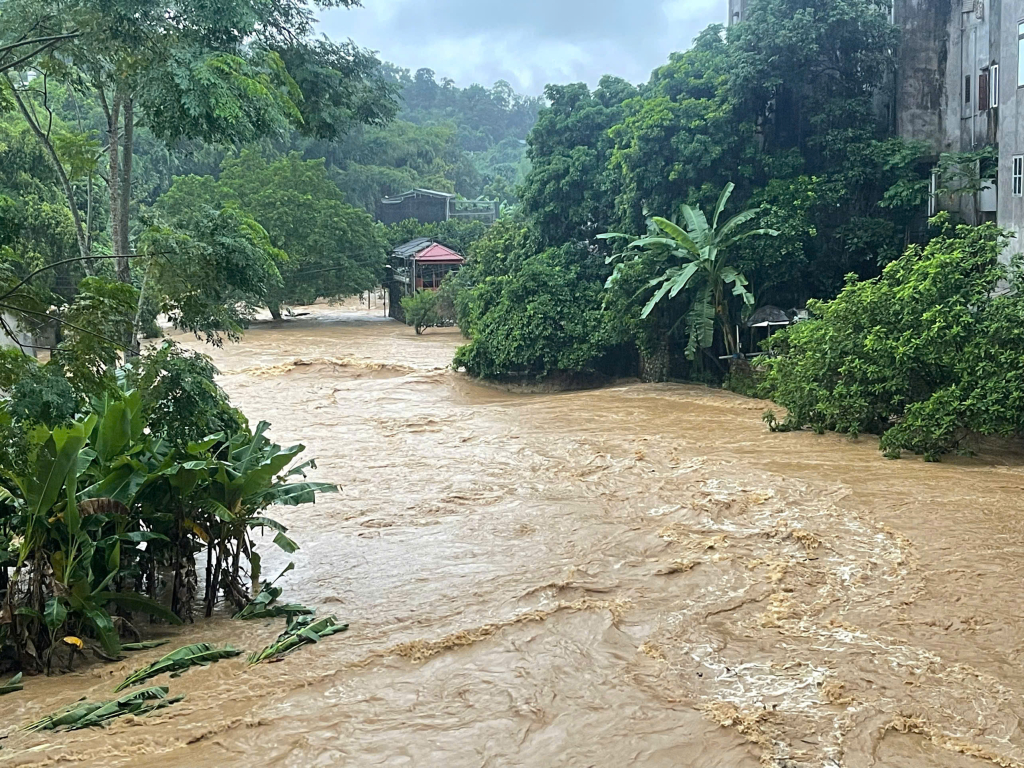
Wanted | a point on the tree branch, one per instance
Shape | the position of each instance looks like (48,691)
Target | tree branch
(118,344)
(48,40)
(67,261)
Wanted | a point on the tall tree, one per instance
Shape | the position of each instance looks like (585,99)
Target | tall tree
(230,71)
(569,191)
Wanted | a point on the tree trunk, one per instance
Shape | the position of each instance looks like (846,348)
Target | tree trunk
(275,310)
(124,248)
(114,182)
(655,360)
(82,237)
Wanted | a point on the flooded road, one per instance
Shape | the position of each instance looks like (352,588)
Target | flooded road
(640,575)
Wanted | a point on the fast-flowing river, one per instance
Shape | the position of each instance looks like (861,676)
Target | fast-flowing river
(640,575)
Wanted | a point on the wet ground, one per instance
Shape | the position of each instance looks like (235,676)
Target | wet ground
(640,575)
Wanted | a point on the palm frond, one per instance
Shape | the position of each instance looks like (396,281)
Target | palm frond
(300,631)
(735,222)
(84,714)
(697,223)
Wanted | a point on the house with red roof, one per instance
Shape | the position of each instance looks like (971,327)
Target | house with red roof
(419,265)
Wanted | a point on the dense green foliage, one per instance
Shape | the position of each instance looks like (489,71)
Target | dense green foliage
(529,315)
(695,262)
(421,310)
(925,355)
(105,490)
(471,141)
(119,468)
(785,106)
(311,243)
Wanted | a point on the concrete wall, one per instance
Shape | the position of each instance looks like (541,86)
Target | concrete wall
(24,338)
(921,93)
(735,11)
(1011,121)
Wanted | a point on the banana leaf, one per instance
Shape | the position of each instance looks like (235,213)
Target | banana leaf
(145,646)
(84,714)
(300,631)
(179,660)
(12,685)
(263,606)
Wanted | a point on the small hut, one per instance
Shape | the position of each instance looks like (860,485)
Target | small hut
(761,324)
(418,265)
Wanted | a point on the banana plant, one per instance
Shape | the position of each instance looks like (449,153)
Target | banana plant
(252,473)
(696,260)
(62,536)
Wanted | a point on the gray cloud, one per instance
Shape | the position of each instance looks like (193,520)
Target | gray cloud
(530,43)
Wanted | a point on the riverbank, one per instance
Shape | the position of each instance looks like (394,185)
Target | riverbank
(637,575)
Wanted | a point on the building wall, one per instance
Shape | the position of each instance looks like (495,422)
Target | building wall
(921,92)
(946,46)
(735,10)
(426,209)
(1011,121)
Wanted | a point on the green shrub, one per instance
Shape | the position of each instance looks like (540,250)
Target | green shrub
(421,310)
(545,317)
(925,355)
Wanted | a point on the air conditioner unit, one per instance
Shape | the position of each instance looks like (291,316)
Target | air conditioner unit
(988,196)
(968,6)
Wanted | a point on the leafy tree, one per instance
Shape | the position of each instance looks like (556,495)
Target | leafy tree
(227,71)
(333,250)
(543,318)
(421,310)
(569,191)
(925,355)
(684,136)
(207,270)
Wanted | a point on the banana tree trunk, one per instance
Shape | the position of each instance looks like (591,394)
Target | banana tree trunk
(655,360)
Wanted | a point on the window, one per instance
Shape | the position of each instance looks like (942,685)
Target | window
(984,90)
(994,85)
(1017,187)
(967,89)
(1020,55)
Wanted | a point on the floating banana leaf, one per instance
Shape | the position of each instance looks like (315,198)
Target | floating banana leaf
(263,605)
(143,646)
(180,660)
(301,630)
(84,714)
(12,685)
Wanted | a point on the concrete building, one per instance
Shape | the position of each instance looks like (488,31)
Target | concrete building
(429,207)
(959,87)
(736,10)
(958,81)
(1010,119)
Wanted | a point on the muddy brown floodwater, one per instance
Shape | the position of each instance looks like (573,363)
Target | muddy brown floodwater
(640,575)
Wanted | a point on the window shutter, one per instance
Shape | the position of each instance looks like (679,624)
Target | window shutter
(983,91)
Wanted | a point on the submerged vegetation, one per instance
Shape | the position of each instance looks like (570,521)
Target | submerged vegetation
(176,662)
(86,714)
(926,355)
(300,631)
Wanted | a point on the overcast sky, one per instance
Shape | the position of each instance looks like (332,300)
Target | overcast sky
(530,43)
